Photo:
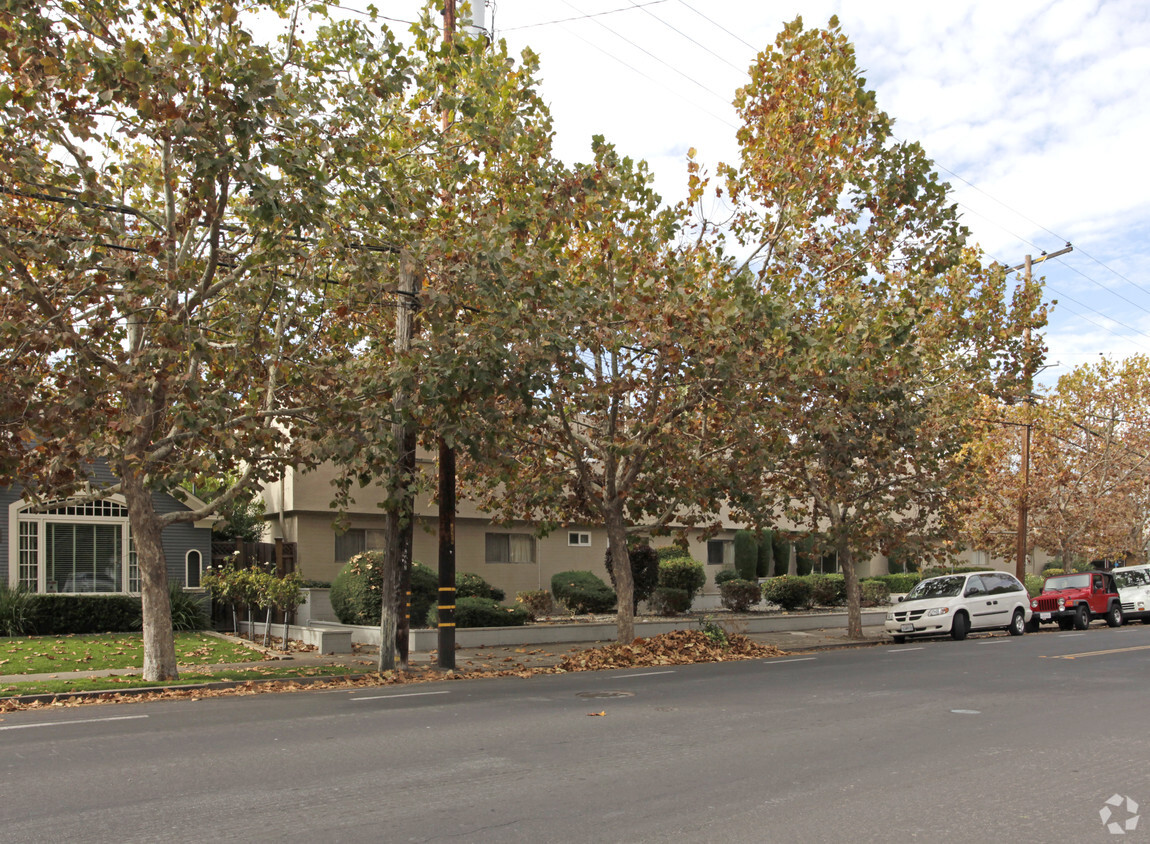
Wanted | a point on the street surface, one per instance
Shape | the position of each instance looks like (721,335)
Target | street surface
(991,739)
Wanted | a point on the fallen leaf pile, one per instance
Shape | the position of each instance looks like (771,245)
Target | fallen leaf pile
(679,647)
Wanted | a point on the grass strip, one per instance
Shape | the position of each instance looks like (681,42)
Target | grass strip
(111,651)
(100,684)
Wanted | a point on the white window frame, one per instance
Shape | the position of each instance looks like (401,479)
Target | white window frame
(188,569)
(578,539)
(19,515)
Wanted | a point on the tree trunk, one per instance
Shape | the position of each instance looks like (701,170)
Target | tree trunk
(156,607)
(624,579)
(854,602)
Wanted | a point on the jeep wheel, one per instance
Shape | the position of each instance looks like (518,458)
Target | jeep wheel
(959,627)
(1017,624)
(1033,625)
(1082,617)
(1114,615)
(1065,623)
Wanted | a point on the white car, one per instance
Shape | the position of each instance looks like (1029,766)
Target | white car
(956,604)
(1134,591)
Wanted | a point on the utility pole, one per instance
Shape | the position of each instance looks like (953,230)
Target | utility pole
(1023,500)
(445,611)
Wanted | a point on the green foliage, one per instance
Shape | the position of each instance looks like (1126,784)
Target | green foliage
(357,591)
(766,559)
(188,611)
(725,576)
(667,600)
(583,592)
(714,632)
(874,593)
(537,602)
(739,595)
(827,590)
(1034,583)
(468,585)
(899,583)
(1053,572)
(15,611)
(683,573)
(746,554)
(804,556)
(788,592)
(58,615)
(781,552)
(644,570)
(424,593)
(672,552)
(483,612)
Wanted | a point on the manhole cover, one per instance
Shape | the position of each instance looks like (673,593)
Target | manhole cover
(604,694)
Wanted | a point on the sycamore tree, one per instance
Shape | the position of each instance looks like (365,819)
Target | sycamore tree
(1088,488)
(635,348)
(899,328)
(166,247)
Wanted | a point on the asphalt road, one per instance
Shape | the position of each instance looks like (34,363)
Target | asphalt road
(991,739)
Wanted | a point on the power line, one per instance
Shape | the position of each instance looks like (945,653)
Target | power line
(701,46)
(586,16)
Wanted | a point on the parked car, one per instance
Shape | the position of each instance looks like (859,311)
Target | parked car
(1074,600)
(1134,591)
(956,604)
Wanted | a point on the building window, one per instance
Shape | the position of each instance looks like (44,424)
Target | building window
(510,548)
(194,564)
(720,552)
(74,547)
(356,541)
(579,539)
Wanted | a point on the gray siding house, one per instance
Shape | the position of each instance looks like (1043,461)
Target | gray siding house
(79,547)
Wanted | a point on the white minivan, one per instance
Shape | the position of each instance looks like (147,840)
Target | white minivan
(1134,591)
(956,604)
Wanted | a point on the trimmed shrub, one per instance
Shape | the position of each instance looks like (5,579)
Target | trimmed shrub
(537,602)
(1052,573)
(827,590)
(583,592)
(902,583)
(644,570)
(468,585)
(874,593)
(667,600)
(59,615)
(726,576)
(766,554)
(482,612)
(781,551)
(746,554)
(683,573)
(1034,583)
(15,611)
(805,556)
(739,595)
(790,593)
(356,593)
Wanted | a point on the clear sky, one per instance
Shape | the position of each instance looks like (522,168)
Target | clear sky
(1036,113)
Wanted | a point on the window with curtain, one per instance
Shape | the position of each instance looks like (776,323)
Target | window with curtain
(510,548)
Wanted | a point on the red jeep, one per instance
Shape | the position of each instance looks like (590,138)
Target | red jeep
(1075,599)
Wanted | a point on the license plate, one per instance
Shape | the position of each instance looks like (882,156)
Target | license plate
(906,628)
(1045,616)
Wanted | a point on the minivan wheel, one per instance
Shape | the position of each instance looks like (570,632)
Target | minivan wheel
(1114,615)
(959,627)
(1017,624)
(1082,617)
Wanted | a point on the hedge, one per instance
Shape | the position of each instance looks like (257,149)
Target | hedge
(583,592)
(739,595)
(683,573)
(788,592)
(60,615)
(483,612)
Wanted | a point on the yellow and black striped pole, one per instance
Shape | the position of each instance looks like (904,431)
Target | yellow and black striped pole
(446,610)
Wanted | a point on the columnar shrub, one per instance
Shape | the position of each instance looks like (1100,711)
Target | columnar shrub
(781,551)
(766,554)
(746,554)
(683,573)
(424,593)
(739,595)
(537,602)
(583,592)
(804,556)
(788,592)
(644,570)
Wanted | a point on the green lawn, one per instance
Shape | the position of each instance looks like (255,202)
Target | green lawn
(62,654)
(90,684)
